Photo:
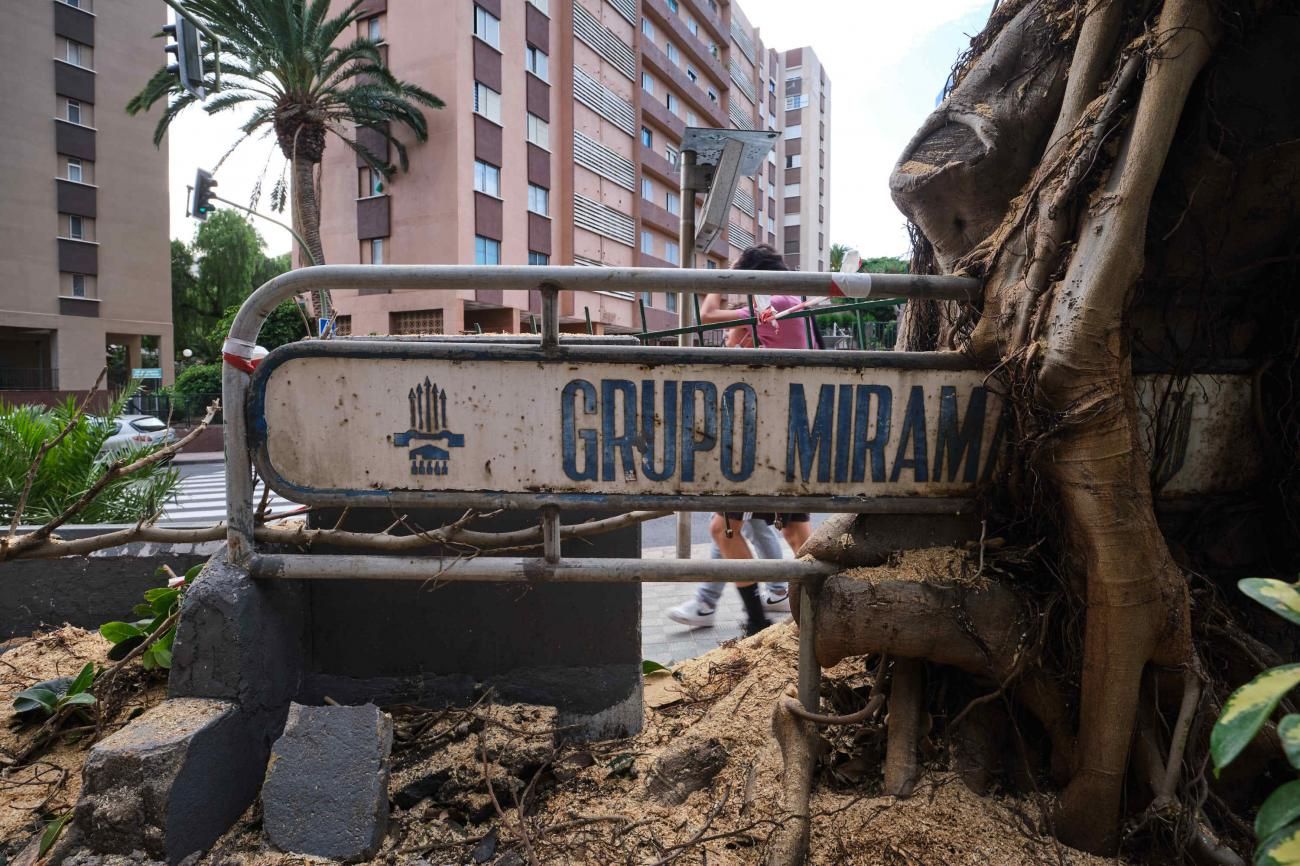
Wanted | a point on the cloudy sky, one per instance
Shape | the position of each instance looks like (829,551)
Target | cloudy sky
(887,63)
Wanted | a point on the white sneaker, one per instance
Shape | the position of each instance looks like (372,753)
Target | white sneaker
(776,603)
(694,613)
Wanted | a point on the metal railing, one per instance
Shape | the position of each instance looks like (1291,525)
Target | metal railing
(550,567)
(27,378)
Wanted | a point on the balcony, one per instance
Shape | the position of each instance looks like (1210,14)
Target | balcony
(688,42)
(659,218)
(687,89)
(656,111)
(659,166)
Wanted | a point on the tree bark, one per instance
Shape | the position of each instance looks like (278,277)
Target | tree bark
(306,211)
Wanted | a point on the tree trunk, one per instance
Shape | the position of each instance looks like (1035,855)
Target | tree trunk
(306,212)
(1046,172)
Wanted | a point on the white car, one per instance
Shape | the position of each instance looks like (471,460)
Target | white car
(132,431)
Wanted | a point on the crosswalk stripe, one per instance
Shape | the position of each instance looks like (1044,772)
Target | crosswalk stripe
(203,498)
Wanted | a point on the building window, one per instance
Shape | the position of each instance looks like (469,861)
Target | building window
(672,4)
(793,103)
(487,102)
(671,153)
(647,138)
(75,53)
(543,5)
(692,74)
(671,254)
(791,248)
(793,160)
(691,119)
(795,131)
(671,101)
(771,225)
(76,228)
(486,251)
(538,63)
(670,299)
(415,322)
(647,242)
(539,200)
(692,26)
(673,57)
(646,298)
(487,179)
(487,27)
(648,29)
(647,189)
(376,251)
(74,169)
(539,132)
(371,182)
(713,96)
(342,326)
(771,85)
(791,219)
(73,111)
(538,258)
(673,202)
(78,285)
(647,83)
(374,31)
(791,190)
(793,82)
(710,265)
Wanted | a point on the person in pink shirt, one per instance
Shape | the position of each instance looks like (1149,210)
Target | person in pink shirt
(773,333)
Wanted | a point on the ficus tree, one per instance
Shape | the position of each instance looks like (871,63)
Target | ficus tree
(1124,179)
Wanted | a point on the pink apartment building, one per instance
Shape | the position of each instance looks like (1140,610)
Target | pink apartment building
(559,145)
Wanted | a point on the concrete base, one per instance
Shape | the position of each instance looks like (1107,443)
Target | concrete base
(172,781)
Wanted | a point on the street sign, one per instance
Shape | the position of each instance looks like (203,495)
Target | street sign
(146,372)
(381,423)
(474,424)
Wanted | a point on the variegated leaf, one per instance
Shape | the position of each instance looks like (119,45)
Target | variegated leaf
(1280,809)
(1282,849)
(1277,595)
(1247,709)
(1289,731)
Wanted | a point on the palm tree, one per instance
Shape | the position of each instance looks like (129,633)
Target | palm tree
(837,256)
(288,61)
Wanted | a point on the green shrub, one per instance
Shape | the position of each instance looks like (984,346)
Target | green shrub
(72,467)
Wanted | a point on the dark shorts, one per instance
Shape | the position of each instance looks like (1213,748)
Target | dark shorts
(768,517)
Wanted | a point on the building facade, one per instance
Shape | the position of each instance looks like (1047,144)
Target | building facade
(560,144)
(84,258)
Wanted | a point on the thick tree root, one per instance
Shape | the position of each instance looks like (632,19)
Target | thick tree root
(906,713)
(798,740)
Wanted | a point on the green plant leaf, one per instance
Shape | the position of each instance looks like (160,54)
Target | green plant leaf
(51,834)
(35,698)
(83,680)
(116,632)
(193,572)
(649,667)
(142,610)
(1280,849)
(1289,731)
(152,595)
(123,649)
(81,699)
(1277,595)
(1281,808)
(1247,709)
(162,656)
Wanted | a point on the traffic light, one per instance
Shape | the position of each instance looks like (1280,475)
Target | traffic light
(188,49)
(201,203)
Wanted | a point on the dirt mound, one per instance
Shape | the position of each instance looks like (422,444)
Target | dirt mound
(610,802)
(498,784)
(33,794)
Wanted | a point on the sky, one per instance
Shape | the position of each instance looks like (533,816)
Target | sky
(887,63)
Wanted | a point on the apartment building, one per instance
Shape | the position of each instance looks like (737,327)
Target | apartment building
(560,144)
(84,258)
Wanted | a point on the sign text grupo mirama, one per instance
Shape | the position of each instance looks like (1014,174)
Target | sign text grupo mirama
(497,420)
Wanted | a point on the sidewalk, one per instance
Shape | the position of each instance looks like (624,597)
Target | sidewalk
(200,457)
(666,642)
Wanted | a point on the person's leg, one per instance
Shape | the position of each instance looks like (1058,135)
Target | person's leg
(702,610)
(797,529)
(732,545)
(767,544)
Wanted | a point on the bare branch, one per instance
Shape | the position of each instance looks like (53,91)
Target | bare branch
(47,548)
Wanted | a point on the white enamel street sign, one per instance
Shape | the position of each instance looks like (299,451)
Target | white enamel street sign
(409,417)
(480,425)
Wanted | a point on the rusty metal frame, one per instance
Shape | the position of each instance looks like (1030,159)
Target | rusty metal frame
(550,567)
